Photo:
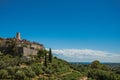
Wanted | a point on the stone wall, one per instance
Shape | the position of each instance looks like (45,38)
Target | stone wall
(27,51)
(35,46)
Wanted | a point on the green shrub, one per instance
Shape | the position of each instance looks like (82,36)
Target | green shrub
(20,75)
(3,73)
(29,72)
(42,78)
(37,69)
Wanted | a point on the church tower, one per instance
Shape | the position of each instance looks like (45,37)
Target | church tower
(18,36)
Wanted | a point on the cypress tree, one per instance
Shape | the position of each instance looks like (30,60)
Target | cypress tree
(45,63)
(50,55)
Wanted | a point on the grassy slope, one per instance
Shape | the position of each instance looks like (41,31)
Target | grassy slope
(15,68)
(59,70)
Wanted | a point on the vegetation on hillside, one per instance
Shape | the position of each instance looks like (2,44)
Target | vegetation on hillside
(98,71)
(44,66)
(37,67)
(40,67)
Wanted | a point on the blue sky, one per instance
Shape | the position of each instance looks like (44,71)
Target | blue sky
(64,24)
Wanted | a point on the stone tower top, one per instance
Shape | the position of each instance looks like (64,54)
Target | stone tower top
(18,36)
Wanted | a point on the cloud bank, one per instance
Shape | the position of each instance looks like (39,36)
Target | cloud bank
(86,55)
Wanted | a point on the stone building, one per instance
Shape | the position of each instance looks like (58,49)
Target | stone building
(23,47)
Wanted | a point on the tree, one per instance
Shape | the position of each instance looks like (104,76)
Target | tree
(29,72)
(40,53)
(37,68)
(96,64)
(14,49)
(45,63)
(50,55)
(20,75)
(3,74)
(11,71)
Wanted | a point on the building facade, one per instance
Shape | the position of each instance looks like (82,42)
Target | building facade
(23,47)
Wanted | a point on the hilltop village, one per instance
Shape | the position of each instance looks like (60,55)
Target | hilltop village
(19,46)
(21,59)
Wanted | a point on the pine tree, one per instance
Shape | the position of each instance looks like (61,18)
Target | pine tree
(50,55)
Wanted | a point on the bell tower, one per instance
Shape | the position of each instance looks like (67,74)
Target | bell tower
(18,36)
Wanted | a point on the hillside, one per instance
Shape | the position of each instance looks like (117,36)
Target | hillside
(24,60)
(98,71)
(17,68)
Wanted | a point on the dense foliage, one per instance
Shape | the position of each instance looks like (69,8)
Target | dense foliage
(98,71)
(18,68)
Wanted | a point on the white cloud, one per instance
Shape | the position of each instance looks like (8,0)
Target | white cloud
(86,55)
